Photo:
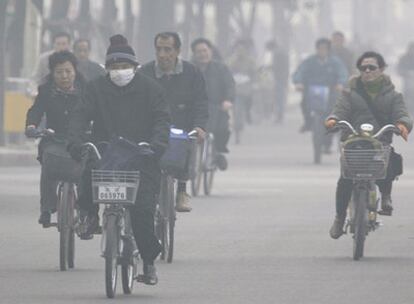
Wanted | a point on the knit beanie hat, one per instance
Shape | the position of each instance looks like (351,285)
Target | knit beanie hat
(120,51)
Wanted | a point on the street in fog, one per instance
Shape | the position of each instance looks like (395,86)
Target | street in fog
(261,238)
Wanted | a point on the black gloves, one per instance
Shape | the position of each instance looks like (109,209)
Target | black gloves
(31,132)
(75,151)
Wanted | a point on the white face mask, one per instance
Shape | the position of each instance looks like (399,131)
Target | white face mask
(122,77)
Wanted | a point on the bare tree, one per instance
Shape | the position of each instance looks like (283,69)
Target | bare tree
(3,8)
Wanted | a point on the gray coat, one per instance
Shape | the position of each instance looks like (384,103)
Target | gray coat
(389,104)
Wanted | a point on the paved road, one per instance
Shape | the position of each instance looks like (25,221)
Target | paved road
(261,238)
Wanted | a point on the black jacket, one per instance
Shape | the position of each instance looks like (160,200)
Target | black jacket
(55,105)
(185,94)
(137,112)
(220,86)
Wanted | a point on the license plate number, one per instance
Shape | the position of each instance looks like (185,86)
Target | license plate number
(112,193)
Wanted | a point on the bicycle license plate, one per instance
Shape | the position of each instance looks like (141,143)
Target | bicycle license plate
(112,193)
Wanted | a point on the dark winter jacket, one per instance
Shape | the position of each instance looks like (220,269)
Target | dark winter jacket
(55,105)
(137,112)
(90,70)
(186,95)
(352,107)
(220,87)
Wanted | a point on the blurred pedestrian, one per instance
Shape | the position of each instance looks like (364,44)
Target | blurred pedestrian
(406,71)
(88,68)
(61,42)
(220,88)
(342,52)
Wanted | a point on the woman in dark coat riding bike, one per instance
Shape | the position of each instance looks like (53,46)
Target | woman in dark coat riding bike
(55,101)
(370,98)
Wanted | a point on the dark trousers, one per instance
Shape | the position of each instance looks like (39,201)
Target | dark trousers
(221,132)
(142,213)
(344,192)
(48,197)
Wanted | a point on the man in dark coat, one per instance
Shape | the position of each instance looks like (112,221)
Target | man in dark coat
(342,52)
(221,94)
(126,103)
(55,101)
(185,93)
(370,98)
(89,69)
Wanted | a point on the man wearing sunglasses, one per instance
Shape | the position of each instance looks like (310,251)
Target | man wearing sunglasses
(370,98)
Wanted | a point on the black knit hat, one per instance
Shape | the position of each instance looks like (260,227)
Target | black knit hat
(120,51)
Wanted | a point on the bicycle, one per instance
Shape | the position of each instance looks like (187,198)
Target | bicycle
(318,101)
(59,166)
(205,166)
(364,159)
(166,216)
(117,191)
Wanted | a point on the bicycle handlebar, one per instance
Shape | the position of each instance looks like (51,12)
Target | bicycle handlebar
(343,124)
(387,128)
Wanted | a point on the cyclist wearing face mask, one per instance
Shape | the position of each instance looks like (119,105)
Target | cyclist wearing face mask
(128,104)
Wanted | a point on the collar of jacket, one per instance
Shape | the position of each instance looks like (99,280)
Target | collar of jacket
(178,69)
(353,85)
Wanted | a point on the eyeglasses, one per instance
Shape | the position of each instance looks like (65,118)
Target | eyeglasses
(368,68)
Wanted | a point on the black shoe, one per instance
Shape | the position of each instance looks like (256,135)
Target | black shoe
(88,226)
(150,275)
(221,162)
(337,229)
(386,206)
(44,219)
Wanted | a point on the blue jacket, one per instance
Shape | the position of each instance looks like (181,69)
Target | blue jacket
(313,71)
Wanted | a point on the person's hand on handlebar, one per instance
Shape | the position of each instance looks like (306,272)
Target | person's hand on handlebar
(330,123)
(31,131)
(403,131)
(201,134)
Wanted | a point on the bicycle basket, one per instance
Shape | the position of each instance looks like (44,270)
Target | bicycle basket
(364,160)
(58,164)
(115,187)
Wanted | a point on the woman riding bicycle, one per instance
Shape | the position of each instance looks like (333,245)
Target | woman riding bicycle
(370,98)
(55,101)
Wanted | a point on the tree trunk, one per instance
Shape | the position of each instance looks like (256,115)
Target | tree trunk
(15,37)
(223,12)
(3,7)
(155,16)
(129,21)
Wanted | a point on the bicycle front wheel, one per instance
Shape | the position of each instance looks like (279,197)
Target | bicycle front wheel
(66,227)
(360,223)
(111,255)
(197,175)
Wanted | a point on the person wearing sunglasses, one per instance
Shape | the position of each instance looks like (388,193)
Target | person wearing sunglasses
(370,98)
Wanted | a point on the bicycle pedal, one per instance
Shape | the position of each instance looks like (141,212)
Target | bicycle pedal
(98,230)
(140,278)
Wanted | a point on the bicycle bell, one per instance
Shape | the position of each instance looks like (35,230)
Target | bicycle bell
(367,129)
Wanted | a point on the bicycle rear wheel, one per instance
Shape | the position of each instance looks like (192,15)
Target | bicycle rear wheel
(360,223)
(65,227)
(197,175)
(111,255)
(209,167)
